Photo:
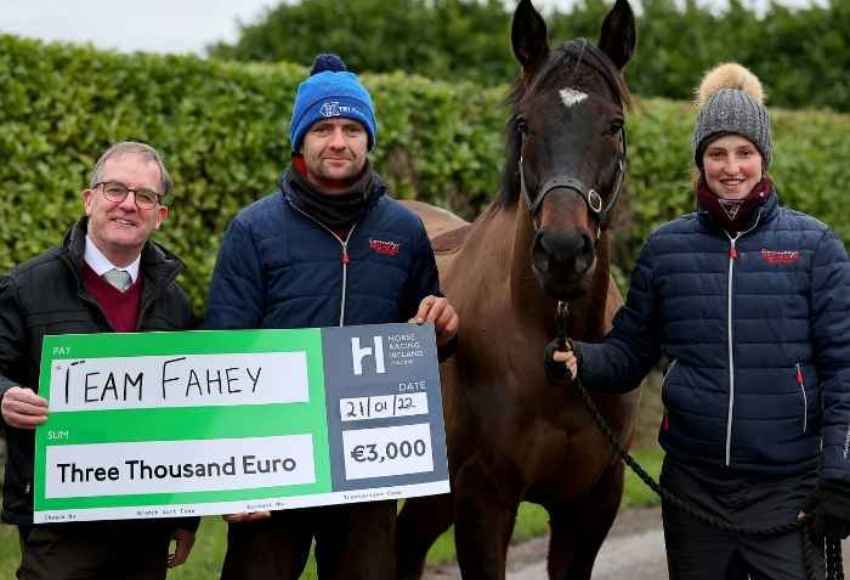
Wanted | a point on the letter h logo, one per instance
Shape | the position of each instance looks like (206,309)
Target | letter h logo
(359,353)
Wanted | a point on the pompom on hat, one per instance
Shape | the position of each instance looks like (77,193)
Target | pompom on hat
(731,101)
(330,91)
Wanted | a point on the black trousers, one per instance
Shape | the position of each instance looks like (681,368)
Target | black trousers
(121,550)
(353,542)
(698,551)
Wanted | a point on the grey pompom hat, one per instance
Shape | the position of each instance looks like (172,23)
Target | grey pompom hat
(731,103)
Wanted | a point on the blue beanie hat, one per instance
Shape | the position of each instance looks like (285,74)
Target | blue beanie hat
(330,91)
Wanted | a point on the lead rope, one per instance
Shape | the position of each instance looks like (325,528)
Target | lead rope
(833,564)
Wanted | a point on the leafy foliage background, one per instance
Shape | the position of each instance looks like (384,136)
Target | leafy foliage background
(222,129)
(803,55)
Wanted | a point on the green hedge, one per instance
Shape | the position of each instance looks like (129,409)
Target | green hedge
(802,53)
(222,129)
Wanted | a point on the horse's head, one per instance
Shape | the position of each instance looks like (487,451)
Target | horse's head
(566,142)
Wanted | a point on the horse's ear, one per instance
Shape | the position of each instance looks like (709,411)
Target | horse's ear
(618,36)
(529,36)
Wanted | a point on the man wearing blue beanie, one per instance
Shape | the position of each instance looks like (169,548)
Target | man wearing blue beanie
(331,91)
(329,248)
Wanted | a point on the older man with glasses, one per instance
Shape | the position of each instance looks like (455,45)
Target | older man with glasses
(106,276)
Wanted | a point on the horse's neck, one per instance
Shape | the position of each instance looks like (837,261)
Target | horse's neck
(587,314)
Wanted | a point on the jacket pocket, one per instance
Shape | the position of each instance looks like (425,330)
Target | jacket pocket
(800,379)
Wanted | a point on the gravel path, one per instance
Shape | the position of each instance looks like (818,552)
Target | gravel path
(634,549)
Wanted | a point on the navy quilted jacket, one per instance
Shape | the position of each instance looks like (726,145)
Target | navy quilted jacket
(757,331)
(279,268)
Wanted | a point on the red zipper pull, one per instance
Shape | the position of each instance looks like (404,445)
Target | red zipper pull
(733,253)
(346,259)
(800,378)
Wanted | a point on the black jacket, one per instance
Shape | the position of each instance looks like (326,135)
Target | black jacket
(45,295)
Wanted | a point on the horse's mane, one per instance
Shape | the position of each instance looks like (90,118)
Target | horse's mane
(593,61)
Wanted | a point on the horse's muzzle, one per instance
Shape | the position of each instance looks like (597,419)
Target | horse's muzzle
(561,259)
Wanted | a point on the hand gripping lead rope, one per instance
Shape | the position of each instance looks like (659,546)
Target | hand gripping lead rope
(833,563)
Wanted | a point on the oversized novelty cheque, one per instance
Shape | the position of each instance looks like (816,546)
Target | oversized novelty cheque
(167,424)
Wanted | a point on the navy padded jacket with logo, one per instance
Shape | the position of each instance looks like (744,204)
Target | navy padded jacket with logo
(758,342)
(279,268)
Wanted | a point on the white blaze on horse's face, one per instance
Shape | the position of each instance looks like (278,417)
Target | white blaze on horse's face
(571,97)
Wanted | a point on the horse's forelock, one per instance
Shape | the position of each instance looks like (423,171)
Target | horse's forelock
(568,54)
(594,61)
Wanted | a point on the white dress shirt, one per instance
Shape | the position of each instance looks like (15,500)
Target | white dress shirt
(101,264)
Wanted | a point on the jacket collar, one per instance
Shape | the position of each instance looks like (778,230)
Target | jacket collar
(764,215)
(374,191)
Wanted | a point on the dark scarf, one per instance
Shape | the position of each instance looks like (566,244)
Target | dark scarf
(733,215)
(339,210)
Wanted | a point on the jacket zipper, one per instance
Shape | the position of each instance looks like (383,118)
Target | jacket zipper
(154,294)
(665,419)
(667,373)
(801,381)
(733,255)
(93,303)
(345,258)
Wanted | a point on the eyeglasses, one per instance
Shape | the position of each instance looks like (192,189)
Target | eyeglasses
(116,192)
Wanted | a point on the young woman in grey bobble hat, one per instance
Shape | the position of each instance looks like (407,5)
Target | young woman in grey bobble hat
(749,303)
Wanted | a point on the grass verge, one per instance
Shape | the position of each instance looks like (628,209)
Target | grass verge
(208,553)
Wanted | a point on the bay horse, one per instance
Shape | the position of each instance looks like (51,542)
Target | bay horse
(513,436)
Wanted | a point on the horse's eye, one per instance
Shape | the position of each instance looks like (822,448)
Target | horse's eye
(615,126)
(522,125)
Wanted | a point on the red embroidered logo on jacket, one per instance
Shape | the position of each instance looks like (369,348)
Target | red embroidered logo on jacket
(780,257)
(385,248)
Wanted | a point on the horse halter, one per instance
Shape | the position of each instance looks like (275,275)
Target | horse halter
(590,196)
